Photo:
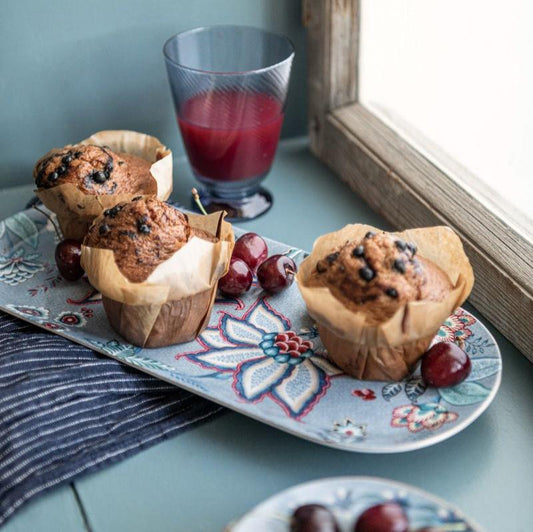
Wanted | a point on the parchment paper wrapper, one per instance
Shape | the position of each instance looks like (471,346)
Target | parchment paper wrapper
(387,351)
(174,304)
(76,210)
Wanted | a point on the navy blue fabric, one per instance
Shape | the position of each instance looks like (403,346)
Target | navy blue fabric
(66,410)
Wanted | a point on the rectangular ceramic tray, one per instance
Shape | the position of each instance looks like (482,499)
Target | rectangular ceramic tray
(259,356)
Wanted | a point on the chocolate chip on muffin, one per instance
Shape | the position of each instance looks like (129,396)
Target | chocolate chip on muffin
(399,265)
(358,251)
(142,226)
(103,229)
(113,211)
(321,266)
(367,273)
(401,245)
(332,257)
(99,177)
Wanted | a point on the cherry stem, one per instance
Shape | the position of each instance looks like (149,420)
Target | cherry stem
(196,198)
(58,233)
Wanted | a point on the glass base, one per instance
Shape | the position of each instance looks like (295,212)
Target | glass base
(239,209)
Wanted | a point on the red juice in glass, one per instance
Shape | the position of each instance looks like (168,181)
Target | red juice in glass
(229,85)
(231,135)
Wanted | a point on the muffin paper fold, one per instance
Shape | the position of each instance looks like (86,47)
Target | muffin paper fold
(174,303)
(76,210)
(389,350)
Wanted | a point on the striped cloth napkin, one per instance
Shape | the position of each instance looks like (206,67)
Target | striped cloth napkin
(66,410)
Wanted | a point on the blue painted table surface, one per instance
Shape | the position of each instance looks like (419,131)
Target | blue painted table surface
(201,480)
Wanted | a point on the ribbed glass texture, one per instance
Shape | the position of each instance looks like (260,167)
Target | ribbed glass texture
(229,85)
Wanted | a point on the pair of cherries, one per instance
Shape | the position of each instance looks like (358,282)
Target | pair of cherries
(386,517)
(250,255)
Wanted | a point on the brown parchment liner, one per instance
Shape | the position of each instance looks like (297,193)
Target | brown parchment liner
(76,210)
(174,304)
(387,351)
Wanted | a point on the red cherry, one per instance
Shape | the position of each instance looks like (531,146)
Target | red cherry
(386,517)
(313,518)
(252,249)
(276,273)
(238,279)
(445,364)
(67,255)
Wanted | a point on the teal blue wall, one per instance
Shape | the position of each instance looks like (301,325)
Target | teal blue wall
(72,67)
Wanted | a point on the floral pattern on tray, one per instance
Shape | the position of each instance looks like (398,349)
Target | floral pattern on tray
(266,359)
(260,355)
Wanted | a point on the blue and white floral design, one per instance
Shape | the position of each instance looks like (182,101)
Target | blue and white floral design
(19,266)
(346,431)
(266,359)
(21,228)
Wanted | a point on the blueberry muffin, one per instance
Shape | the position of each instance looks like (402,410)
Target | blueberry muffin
(142,234)
(95,170)
(379,298)
(157,269)
(378,274)
(79,181)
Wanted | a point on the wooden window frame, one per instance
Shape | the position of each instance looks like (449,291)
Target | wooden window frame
(403,183)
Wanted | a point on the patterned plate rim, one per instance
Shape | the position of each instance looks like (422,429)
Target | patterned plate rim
(385,482)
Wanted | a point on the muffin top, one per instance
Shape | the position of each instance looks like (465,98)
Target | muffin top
(142,233)
(95,170)
(378,274)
